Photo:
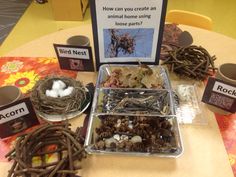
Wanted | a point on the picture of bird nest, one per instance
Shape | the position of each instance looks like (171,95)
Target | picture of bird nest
(76,65)
(59,96)
(17,125)
(128,42)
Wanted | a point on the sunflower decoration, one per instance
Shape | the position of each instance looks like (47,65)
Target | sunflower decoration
(23,80)
(47,60)
(232,159)
(12,66)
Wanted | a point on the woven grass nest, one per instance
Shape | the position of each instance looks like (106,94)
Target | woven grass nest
(61,105)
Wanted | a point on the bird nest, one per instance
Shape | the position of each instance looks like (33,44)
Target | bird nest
(60,105)
(32,150)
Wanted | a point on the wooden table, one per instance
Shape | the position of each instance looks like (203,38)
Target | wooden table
(204,152)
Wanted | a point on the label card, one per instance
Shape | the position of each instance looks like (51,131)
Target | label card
(127,31)
(220,94)
(17,117)
(76,58)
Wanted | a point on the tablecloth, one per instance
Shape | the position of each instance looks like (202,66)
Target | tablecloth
(24,73)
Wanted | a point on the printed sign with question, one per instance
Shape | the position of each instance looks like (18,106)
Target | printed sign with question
(127,31)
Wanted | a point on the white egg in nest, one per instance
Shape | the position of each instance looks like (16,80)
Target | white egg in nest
(58,85)
(52,93)
(65,92)
(59,89)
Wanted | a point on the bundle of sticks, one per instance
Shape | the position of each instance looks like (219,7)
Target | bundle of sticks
(193,62)
(56,140)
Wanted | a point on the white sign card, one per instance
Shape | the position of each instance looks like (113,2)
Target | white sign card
(17,117)
(127,31)
(75,58)
(220,94)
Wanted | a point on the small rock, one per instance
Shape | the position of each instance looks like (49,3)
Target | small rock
(109,141)
(124,137)
(118,123)
(136,139)
(116,137)
(100,145)
(130,126)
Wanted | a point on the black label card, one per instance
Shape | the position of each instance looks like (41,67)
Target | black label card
(17,117)
(220,94)
(75,58)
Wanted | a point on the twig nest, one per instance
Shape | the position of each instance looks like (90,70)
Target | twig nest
(38,144)
(57,95)
(192,62)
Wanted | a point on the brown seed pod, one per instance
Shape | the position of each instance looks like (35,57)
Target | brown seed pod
(105,135)
(100,145)
(153,134)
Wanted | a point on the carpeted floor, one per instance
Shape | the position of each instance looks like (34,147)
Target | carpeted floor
(10,12)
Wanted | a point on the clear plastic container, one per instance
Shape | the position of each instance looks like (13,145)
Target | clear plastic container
(106,70)
(189,109)
(133,103)
(168,143)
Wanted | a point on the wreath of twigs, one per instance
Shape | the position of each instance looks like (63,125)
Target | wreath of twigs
(170,39)
(192,62)
(46,140)
(61,105)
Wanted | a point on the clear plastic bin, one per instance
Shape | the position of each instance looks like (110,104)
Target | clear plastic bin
(111,142)
(134,103)
(106,70)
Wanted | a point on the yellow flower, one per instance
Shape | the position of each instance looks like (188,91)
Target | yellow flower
(24,80)
(47,60)
(12,66)
(231,159)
